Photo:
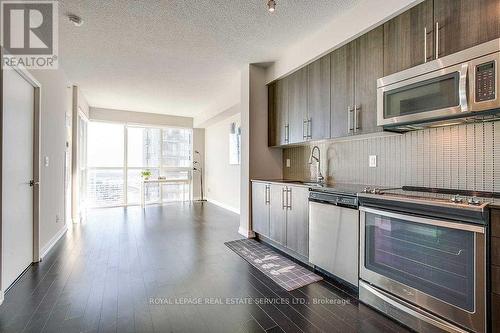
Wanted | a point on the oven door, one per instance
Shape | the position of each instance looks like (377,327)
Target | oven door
(432,96)
(434,264)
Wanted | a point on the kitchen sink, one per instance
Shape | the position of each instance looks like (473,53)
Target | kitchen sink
(313,184)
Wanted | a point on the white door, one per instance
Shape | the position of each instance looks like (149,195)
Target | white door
(17,194)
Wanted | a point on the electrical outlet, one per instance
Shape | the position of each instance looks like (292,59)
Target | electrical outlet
(372,161)
(46,161)
(287,162)
(58,219)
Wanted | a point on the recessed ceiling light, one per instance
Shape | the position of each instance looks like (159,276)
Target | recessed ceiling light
(271,6)
(75,19)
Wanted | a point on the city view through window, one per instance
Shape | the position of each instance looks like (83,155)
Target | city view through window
(117,154)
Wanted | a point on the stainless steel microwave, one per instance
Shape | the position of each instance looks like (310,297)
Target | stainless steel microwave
(456,88)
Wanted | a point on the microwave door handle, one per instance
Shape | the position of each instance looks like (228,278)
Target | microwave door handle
(462,87)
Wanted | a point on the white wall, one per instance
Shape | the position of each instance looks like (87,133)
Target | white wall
(257,159)
(144,118)
(56,103)
(222,179)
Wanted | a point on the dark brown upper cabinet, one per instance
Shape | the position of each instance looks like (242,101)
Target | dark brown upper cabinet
(465,23)
(355,69)
(369,66)
(278,130)
(317,123)
(271,115)
(342,91)
(437,28)
(408,38)
(297,106)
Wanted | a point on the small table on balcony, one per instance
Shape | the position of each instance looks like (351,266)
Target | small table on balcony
(164,181)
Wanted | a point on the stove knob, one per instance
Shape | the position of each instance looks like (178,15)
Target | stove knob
(457,199)
(474,201)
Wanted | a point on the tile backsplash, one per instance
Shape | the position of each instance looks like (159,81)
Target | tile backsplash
(457,157)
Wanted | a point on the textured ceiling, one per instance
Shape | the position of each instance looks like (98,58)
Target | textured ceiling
(175,56)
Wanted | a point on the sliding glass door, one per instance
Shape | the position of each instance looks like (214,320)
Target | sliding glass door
(117,154)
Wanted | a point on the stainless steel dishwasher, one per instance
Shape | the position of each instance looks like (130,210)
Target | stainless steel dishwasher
(334,234)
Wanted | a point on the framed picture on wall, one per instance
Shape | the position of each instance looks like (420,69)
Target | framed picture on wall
(234,144)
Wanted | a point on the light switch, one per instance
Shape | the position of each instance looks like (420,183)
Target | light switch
(287,162)
(46,161)
(372,161)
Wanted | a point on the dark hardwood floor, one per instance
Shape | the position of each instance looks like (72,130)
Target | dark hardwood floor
(124,270)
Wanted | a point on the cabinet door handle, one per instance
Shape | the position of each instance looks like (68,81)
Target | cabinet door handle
(287,133)
(357,115)
(289,199)
(309,128)
(283,204)
(304,130)
(425,44)
(350,119)
(267,195)
(437,40)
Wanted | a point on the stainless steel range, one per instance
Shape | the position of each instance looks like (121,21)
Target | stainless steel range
(423,257)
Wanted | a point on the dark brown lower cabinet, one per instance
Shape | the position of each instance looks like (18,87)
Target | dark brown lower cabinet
(495,310)
(495,271)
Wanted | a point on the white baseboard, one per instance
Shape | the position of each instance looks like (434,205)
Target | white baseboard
(246,233)
(223,205)
(53,241)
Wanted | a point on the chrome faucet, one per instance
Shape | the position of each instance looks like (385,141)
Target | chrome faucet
(319,177)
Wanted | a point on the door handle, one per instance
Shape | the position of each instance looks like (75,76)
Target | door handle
(283,204)
(289,198)
(425,44)
(309,128)
(437,40)
(33,183)
(350,119)
(357,115)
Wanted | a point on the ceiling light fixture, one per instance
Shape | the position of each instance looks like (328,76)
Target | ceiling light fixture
(75,19)
(271,5)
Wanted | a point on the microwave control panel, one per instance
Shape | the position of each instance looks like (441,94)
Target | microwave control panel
(485,82)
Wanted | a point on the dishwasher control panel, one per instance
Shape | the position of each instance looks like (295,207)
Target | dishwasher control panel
(334,199)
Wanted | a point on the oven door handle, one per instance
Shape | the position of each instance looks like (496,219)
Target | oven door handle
(421,220)
(462,87)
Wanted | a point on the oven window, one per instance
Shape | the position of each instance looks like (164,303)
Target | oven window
(433,94)
(435,260)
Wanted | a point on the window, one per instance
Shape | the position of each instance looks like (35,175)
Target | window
(114,178)
(82,160)
(105,160)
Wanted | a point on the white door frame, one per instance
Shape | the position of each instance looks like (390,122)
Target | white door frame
(23,72)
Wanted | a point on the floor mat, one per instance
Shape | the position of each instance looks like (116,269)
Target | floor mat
(280,269)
